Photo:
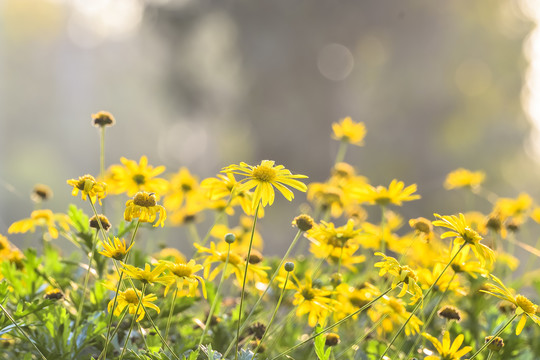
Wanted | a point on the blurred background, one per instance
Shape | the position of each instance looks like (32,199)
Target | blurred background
(204,84)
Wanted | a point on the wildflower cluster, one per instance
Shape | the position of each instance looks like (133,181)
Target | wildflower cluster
(354,283)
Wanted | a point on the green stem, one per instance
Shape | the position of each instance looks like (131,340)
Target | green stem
(362,337)
(171,312)
(109,334)
(216,297)
(490,355)
(328,328)
(340,259)
(245,278)
(272,278)
(420,302)
(428,321)
(102,153)
(274,314)
(8,315)
(341,151)
(135,315)
(494,336)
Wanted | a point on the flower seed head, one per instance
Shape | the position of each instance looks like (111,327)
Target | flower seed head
(303,222)
(258,329)
(41,193)
(450,313)
(496,345)
(332,339)
(526,304)
(255,257)
(94,223)
(102,119)
(54,294)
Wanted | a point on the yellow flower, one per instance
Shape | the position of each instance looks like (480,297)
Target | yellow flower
(264,178)
(102,119)
(463,234)
(185,276)
(422,228)
(338,255)
(524,307)
(327,197)
(395,314)
(90,187)
(317,303)
(148,276)
(41,218)
(144,207)
(133,177)
(353,298)
(447,350)
(115,249)
(349,131)
(5,246)
(395,194)
(130,299)
(447,282)
(327,233)
(181,186)
(516,208)
(402,274)
(237,264)
(464,178)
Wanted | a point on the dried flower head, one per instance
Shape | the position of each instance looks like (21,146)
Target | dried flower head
(102,119)
(94,223)
(41,193)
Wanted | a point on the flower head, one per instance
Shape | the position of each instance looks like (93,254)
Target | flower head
(464,234)
(102,119)
(181,186)
(115,249)
(184,274)
(401,274)
(264,178)
(524,307)
(447,350)
(41,193)
(130,299)
(131,177)
(144,206)
(462,178)
(349,131)
(90,187)
(148,275)
(395,313)
(42,218)
(396,193)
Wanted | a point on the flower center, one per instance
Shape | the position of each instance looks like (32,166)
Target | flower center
(42,214)
(118,255)
(144,199)
(181,270)
(186,187)
(131,297)
(139,179)
(264,173)
(470,236)
(525,304)
(308,293)
(234,259)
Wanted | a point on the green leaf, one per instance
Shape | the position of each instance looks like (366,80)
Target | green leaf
(211,354)
(319,345)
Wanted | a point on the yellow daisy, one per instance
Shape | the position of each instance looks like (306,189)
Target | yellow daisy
(464,234)
(447,350)
(115,249)
(131,177)
(396,193)
(349,131)
(524,307)
(42,218)
(148,276)
(144,207)
(181,186)
(264,178)
(402,274)
(130,299)
(90,187)
(395,314)
(185,276)
(461,178)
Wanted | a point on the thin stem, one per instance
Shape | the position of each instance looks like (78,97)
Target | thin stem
(490,355)
(171,312)
(133,321)
(102,153)
(340,259)
(362,337)
(85,286)
(274,314)
(428,321)
(494,336)
(341,151)
(272,278)
(244,281)
(8,315)
(328,328)
(216,297)
(420,302)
